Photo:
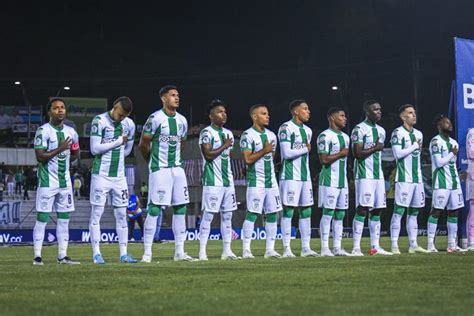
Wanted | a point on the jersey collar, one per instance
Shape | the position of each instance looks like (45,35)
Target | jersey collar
(219,129)
(263,132)
(407,129)
(294,122)
(369,123)
(56,128)
(164,112)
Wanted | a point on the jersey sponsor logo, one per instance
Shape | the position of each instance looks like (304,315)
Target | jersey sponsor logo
(299,145)
(172,140)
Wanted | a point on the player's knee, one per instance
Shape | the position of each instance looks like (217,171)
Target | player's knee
(226,216)
(96,214)
(42,217)
(339,215)
(153,210)
(400,210)
(271,218)
(328,212)
(413,211)
(64,215)
(288,212)
(305,212)
(207,216)
(374,217)
(120,213)
(361,211)
(453,217)
(180,210)
(251,217)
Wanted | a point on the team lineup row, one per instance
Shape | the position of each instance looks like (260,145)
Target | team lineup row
(161,143)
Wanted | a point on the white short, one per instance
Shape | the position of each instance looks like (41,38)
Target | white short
(215,199)
(168,187)
(101,186)
(333,198)
(370,193)
(58,199)
(296,193)
(267,199)
(449,199)
(409,194)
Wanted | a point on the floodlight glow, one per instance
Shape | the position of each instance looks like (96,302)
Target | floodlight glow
(334,88)
(17,83)
(67,88)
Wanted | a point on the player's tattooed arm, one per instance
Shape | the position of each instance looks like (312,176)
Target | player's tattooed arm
(44,156)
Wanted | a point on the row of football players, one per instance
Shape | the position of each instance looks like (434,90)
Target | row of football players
(161,144)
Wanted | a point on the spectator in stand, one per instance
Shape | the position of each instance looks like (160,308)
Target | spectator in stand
(144,193)
(77,185)
(134,213)
(5,127)
(18,181)
(2,188)
(25,188)
(10,184)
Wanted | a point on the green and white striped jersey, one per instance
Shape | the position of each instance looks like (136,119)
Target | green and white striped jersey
(261,174)
(408,166)
(368,134)
(167,132)
(298,136)
(55,172)
(331,142)
(445,173)
(112,162)
(218,172)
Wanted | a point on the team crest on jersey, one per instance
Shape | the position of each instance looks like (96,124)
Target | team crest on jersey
(291,196)
(255,204)
(214,199)
(394,139)
(244,143)
(161,195)
(355,137)
(94,129)
(283,135)
(38,140)
(367,197)
(331,199)
(44,202)
(404,197)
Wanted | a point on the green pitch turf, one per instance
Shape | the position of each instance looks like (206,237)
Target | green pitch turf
(437,284)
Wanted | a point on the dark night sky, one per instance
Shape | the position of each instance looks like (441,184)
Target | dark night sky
(242,52)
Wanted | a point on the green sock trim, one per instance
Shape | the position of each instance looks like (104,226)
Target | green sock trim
(413,211)
(288,212)
(271,218)
(42,217)
(64,215)
(359,218)
(251,217)
(339,215)
(400,210)
(305,212)
(432,220)
(328,212)
(180,210)
(374,218)
(453,219)
(153,209)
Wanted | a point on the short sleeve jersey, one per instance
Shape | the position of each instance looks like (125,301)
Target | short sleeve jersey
(445,177)
(111,163)
(167,132)
(217,172)
(331,142)
(55,173)
(368,135)
(260,174)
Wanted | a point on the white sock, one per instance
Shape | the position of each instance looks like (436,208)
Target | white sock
(226,230)
(62,233)
(452,233)
(149,233)
(337,233)
(357,229)
(38,237)
(179,230)
(325,228)
(412,229)
(285,225)
(431,234)
(395,225)
(122,228)
(204,230)
(94,228)
(247,230)
(271,230)
(305,231)
(374,228)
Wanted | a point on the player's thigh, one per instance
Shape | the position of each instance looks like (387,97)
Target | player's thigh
(327,197)
(45,198)
(455,200)
(64,201)
(365,191)
(306,194)
(418,197)
(255,198)
(272,201)
(342,199)
(180,194)
(229,200)
(440,198)
(100,188)
(212,198)
(160,187)
(380,196)
(404,193)
(290,192)
(120,192)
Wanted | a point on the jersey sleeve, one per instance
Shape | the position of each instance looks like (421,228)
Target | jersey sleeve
(246,142)
(131,131)
(150,126)
(323,146)
(74,141)
(396,139)
(96,127)
(470,143)
(41,139)
(185,129)
(382,135)
(205,137)
(309,134)
(231,137)
(284,134)
(434,147)
(356,136)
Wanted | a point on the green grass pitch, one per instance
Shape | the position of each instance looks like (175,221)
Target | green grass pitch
(423,284)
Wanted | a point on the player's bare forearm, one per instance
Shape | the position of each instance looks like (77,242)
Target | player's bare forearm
(210,154)
(44,156)
(361,153)
(250,158)
(327,159)
(144,150)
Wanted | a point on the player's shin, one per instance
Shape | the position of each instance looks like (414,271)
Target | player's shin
(452,229)
(325,227)
(357,230)
(247,230)
(432,226)
(271,230)
(38,232)
(204,230)
(412,227)
(286,226)
(305,227)
(122,228)
(94,228)
(179,228)
(395,224)
(62,233)
(337,227)
(226,231)
(150,228)
(374,227)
